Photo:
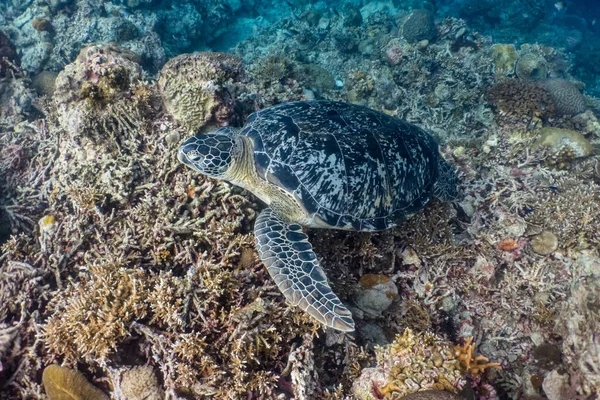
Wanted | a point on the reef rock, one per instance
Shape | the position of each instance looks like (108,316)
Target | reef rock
(412,363)
(504,59)
(418,26)
(375,294)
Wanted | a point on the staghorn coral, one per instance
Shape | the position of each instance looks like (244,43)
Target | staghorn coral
(567,99)
(572,212)
(578,321)
(474,365)
(531,67)
(521,99)
(67,384)
(91,317)
(196,88)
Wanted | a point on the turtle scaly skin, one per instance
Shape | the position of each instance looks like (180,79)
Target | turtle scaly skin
(322,164)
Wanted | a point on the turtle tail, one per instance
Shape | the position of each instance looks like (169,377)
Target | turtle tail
(446,185)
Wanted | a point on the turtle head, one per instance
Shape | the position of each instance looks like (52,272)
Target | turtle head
(210,154)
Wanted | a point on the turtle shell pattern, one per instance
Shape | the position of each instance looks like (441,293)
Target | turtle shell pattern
(354,167)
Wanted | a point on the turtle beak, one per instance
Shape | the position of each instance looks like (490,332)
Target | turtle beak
(181,155)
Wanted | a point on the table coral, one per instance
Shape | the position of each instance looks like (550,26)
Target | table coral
(196,88)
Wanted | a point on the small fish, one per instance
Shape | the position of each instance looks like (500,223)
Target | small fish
(594,22)
(336,12)
(560,5)
(289,3)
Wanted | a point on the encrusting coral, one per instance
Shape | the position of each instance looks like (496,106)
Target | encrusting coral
(101,93)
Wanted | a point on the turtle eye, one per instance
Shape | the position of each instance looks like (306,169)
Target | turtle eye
(193,155)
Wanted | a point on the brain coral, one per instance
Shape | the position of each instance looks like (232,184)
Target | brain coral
(419,26)
(531,67)
(195,88)
(567,99)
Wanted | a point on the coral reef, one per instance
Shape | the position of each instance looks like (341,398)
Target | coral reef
(564,145)
(197,88)
(95,206)
(417,362)
(97,95)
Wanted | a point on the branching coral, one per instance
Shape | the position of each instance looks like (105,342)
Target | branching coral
(521,99)
(474,365)
(91,317)
(572,212)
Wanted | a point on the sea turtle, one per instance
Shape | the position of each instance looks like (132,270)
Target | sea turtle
(322,164)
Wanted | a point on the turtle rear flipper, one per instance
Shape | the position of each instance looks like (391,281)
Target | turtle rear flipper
(285,250)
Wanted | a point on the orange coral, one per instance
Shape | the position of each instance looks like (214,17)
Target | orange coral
(508,244)
(476,365)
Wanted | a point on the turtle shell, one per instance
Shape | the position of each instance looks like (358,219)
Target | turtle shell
(353,167)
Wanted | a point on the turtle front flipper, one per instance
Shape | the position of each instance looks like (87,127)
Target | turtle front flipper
(285,250)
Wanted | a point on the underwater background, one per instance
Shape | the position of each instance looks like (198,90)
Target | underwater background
(124,275)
